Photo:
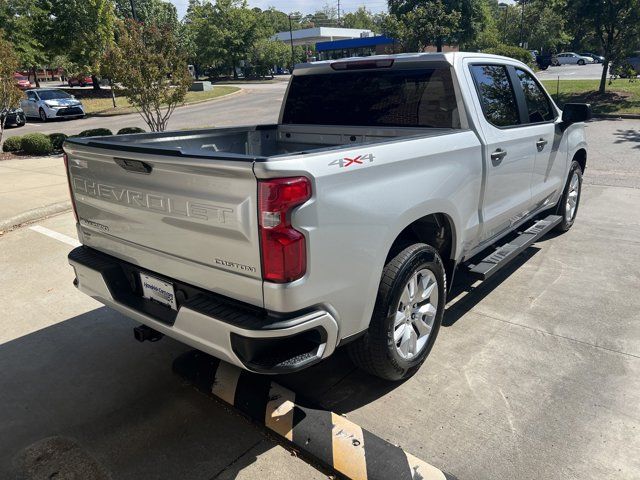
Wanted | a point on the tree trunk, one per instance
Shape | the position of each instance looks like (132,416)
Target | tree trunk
(35,77)
(235,72)
(439,44)
(603,78)
(96,83)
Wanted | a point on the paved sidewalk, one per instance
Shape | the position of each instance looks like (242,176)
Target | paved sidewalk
(32,188)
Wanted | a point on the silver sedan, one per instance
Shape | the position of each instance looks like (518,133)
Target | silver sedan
(48,103)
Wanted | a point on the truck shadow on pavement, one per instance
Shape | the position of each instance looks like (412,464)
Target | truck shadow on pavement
(83,398)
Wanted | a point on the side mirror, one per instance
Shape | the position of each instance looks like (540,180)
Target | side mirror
(575,113)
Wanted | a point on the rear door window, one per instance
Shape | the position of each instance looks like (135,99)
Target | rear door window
(496,93)
(384,98)
(538,104)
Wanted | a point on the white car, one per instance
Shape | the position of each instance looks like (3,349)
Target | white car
(570,58)
(48,103)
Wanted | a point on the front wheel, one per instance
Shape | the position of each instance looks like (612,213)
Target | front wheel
(580,62)
(407,315)
(570,200)
(43,115)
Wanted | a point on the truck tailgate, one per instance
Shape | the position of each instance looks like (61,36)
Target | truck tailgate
(188,218)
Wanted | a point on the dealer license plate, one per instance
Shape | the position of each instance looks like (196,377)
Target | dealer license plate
(158,290)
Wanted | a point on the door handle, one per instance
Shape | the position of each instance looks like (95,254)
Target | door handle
(541,144)
(498,156)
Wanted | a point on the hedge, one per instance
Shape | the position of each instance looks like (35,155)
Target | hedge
(57,139)
(128,130)
(96,132)
(510,51)
(36,144)
(12,144)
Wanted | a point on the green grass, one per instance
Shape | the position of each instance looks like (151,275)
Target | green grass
(621,96)
(103,105)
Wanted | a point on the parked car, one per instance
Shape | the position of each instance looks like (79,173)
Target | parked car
(596,58)
(544,60)
(269,246)
(48,103)
(14,116)
(80,81)
(629,67)
(570,58)
(22,82)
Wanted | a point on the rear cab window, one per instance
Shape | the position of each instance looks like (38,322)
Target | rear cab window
(422,97)
(538,104)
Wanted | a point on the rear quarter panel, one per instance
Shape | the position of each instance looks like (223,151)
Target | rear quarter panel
(358,210)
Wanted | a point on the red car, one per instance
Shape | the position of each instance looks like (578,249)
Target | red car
(22,82)
(80,81)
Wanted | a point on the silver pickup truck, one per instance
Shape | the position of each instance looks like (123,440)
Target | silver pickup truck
(270,246)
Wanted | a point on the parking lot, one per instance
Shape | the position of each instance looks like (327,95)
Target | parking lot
(536,373)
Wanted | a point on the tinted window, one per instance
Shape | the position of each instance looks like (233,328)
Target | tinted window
(393,98)
(53,94)
(538,105)
(496,95)
(31,95)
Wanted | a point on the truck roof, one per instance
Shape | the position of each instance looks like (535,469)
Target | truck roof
(404,59)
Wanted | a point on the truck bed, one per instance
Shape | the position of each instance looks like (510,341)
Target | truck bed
(251,143)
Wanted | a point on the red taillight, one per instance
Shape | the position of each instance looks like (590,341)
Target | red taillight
(284,255)
(66,168)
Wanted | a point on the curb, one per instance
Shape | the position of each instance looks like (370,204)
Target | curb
(133,110)
(323,436)
(625,116)
(33,215)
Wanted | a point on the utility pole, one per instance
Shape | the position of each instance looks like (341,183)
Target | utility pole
(522,24)
(338,12)
(133,11)
(290,41)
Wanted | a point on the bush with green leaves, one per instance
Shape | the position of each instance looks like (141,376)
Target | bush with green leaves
(12,144)
(95,132)
(128,130)
(57,139)
(36,144)
(513,52)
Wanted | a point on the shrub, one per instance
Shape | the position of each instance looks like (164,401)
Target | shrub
(36,144)
(12,144)
(57,139)
(96,132)
(516,53)
(127,130)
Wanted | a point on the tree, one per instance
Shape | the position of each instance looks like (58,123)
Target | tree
(82,30)
(430,23)
(158,12)
(362,18)
(149,69)
(10,95)
(616,24)
(267,54)
(27,24)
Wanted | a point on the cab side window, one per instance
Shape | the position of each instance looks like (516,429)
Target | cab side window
(496,94)
(31,96)
(538,105)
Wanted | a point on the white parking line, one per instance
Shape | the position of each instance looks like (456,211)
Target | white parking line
(58,236)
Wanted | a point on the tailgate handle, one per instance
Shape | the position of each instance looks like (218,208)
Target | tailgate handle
(135,166)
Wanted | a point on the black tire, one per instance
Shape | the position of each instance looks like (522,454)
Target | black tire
(562,207)
(580,62)
(43,115)
(375,352)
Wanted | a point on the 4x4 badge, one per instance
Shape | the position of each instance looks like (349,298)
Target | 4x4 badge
(346,161)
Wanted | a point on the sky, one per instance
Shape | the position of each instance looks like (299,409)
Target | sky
(304,6)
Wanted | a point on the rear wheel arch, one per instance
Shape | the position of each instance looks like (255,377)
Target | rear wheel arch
(436,230)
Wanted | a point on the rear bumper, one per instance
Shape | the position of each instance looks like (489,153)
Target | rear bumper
(240,334)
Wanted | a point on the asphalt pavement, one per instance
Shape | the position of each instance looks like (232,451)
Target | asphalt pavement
(536,373)
(592,71)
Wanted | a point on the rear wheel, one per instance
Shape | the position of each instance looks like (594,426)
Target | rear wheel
(406,317)
(43,115)
(570,200)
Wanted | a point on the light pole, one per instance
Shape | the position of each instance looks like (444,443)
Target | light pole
(522,24)
(290,41)
(133,11)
